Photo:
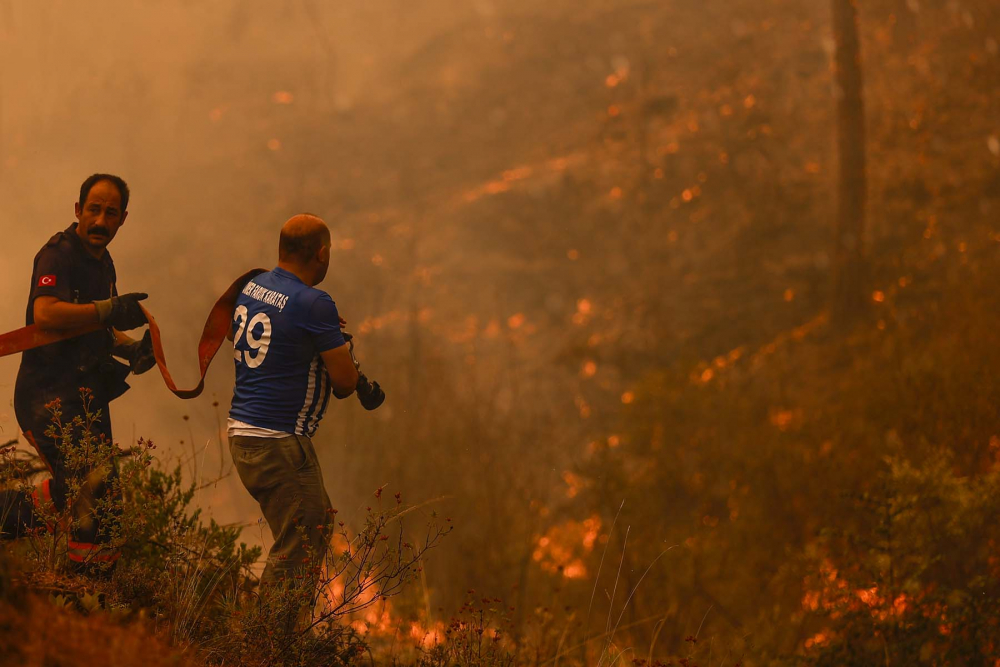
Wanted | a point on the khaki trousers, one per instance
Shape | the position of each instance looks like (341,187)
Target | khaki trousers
(283,475)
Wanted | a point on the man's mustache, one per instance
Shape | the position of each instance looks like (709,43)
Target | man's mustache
(99,231)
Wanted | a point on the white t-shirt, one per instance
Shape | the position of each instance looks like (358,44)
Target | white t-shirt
(236,427)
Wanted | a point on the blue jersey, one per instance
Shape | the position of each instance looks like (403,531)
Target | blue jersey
(280,326)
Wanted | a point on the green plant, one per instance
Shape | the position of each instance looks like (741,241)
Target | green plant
(194,579)
(906,586)
(92,490)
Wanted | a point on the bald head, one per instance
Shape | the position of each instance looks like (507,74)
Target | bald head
(304,248)
(301,238)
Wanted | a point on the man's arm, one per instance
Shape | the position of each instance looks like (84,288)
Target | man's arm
(324,324)
(54,314)
(120,312)
(343,374)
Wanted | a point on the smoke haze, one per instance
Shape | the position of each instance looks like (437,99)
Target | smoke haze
(587,249)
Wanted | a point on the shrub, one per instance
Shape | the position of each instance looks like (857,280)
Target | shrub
(908,586)
(194,579)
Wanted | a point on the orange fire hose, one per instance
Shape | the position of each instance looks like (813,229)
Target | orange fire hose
(217,326)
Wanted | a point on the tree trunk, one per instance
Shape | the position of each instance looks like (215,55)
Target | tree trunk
(850,298)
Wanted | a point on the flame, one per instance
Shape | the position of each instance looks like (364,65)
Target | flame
(427,637)
(784,419)
(704,372)
(492,329)
(496,187)
(869,596)
(378,620)
(819,638)
(562,548)
(517,174)
(828,593)
(593,528)
(573,483)
(374,619)
(375,323)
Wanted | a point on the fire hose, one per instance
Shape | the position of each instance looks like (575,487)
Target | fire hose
(217,326)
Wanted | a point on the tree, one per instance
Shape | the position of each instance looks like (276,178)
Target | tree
(850,265)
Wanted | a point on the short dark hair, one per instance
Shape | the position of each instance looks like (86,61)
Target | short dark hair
(302,247)
(94,179)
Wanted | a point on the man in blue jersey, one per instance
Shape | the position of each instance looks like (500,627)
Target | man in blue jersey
(290,356)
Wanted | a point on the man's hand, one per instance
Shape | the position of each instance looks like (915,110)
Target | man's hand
(139,353)
(369,393)
(122,312)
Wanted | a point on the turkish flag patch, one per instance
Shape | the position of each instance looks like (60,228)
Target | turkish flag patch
(47,281)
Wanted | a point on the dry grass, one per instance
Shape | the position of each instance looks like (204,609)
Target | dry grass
(35,632)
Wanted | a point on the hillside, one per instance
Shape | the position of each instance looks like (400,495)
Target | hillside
(587,248)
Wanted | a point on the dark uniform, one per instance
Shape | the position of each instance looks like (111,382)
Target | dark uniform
(65,270)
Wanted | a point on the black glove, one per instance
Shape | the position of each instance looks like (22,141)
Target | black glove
(138,353)
(122,312)
(369,393)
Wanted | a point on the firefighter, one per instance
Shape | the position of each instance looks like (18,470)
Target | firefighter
(73,285)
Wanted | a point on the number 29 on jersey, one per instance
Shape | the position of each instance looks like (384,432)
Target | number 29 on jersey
(258,344)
